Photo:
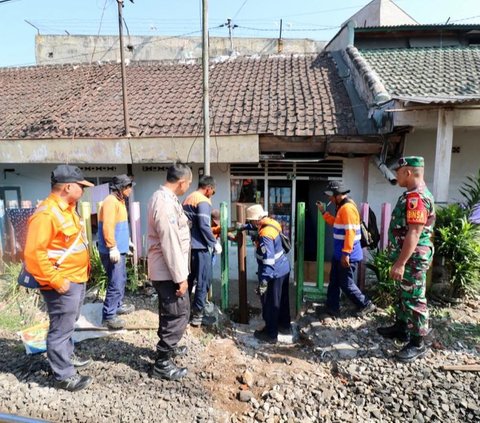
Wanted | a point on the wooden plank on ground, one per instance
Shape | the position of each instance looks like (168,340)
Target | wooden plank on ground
(462,367)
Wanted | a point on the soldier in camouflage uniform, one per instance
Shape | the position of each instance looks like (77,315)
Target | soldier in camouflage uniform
(411,248)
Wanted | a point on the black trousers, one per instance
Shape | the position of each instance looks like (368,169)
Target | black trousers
(173,312)
(276,305)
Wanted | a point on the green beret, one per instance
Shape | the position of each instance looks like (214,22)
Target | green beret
(412,161)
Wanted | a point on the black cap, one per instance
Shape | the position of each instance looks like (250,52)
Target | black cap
(336,188)
(121,181)
(64,174)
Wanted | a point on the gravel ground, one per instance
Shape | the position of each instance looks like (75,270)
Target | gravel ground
(339,371)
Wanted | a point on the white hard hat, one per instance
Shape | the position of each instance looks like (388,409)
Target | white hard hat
(255,212)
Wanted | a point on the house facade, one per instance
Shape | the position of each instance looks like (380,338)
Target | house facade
(281,125)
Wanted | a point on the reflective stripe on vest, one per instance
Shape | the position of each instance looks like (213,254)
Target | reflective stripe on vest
(270,261)
(358,236)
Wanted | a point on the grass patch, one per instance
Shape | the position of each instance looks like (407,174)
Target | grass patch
(19,306)
(11,321)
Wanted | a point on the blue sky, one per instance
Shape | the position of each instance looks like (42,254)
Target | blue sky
(256,18)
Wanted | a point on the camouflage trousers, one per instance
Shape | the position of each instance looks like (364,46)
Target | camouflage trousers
(412,304)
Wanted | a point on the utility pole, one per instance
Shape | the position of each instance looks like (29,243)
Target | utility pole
(206,99)
(280,39)
(126,117)
(229,24)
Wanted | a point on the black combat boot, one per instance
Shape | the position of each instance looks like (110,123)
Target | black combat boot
(165,368)
(414,349)
(396,331)
(180,351)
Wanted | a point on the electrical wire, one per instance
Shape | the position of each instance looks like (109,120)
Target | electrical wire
(248,28)
(239,10)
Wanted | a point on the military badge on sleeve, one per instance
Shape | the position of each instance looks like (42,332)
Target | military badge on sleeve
(412,203)
(416,211)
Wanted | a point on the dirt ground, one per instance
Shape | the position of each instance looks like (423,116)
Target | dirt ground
(219,362)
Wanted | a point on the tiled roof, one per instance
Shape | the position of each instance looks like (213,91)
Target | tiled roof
(298,95)
(421,27)
(448,73)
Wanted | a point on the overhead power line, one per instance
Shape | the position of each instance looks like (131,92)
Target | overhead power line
(288,29)
(240,9)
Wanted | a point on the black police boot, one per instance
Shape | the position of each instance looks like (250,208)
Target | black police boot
(180,351)
(396,331)
(414,349)
(165,368)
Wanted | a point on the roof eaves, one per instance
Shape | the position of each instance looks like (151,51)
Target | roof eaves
(372,80)
(444,100)
(422,27)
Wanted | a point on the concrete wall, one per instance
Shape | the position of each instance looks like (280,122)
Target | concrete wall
(34,180)
(341,40)
(58,49)
(35,185)
(422,143)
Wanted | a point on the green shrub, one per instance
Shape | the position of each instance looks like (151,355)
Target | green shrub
(386,289)
(470,191)
(458,241)
(136,275)
(98,277)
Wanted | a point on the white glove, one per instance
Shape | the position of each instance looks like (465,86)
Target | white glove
(114,255)
(218,248)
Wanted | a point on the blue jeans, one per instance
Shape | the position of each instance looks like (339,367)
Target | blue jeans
(342,278)
(63,312)
(117,279)
(201,272)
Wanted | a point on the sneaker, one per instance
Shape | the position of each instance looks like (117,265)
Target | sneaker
(369,308)
(196,320)
(80,363)
(263,336)
(74,383)
(125,309)
(413,350)
(115,323)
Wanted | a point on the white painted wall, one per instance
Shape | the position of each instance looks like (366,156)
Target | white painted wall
(34,180)
(422,143)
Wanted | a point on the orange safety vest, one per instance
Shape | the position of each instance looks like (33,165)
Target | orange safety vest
(52,229)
